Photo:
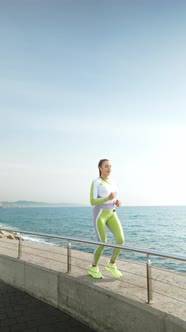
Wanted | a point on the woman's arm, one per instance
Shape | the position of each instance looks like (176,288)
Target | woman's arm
(93,200)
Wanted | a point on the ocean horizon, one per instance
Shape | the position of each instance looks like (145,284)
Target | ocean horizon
(160,228)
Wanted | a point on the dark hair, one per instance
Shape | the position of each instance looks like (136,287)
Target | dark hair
(100,164)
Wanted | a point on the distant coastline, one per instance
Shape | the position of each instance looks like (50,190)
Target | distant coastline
(32,204)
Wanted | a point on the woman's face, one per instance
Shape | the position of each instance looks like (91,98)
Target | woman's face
(105,169)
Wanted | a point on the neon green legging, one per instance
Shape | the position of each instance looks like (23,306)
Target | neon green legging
(109,218)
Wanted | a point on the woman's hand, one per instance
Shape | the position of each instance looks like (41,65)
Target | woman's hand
(112,195)
(118,203)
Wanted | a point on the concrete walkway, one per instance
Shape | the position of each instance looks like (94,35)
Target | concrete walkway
(169,287)
(22,312)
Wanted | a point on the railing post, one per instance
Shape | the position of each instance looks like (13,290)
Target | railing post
(149,282)
(69,258)
(19,246)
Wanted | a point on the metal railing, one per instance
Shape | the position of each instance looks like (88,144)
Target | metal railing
(69,239)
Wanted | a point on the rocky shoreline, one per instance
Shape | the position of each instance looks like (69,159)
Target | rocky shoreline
(8,235)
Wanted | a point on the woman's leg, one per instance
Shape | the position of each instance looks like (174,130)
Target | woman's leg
(100,227)
(115,227)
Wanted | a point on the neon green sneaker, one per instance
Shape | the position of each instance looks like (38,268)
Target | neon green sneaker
(94,272)
(113,269)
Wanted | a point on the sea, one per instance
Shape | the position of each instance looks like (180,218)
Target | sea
(159,228)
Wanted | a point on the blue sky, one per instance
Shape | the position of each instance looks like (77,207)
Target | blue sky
(86,80)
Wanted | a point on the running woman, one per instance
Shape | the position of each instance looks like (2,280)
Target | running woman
(103,196)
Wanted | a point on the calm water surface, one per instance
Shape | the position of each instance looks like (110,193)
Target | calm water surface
(156,228)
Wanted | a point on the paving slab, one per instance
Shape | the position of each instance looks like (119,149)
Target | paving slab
(21,312)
